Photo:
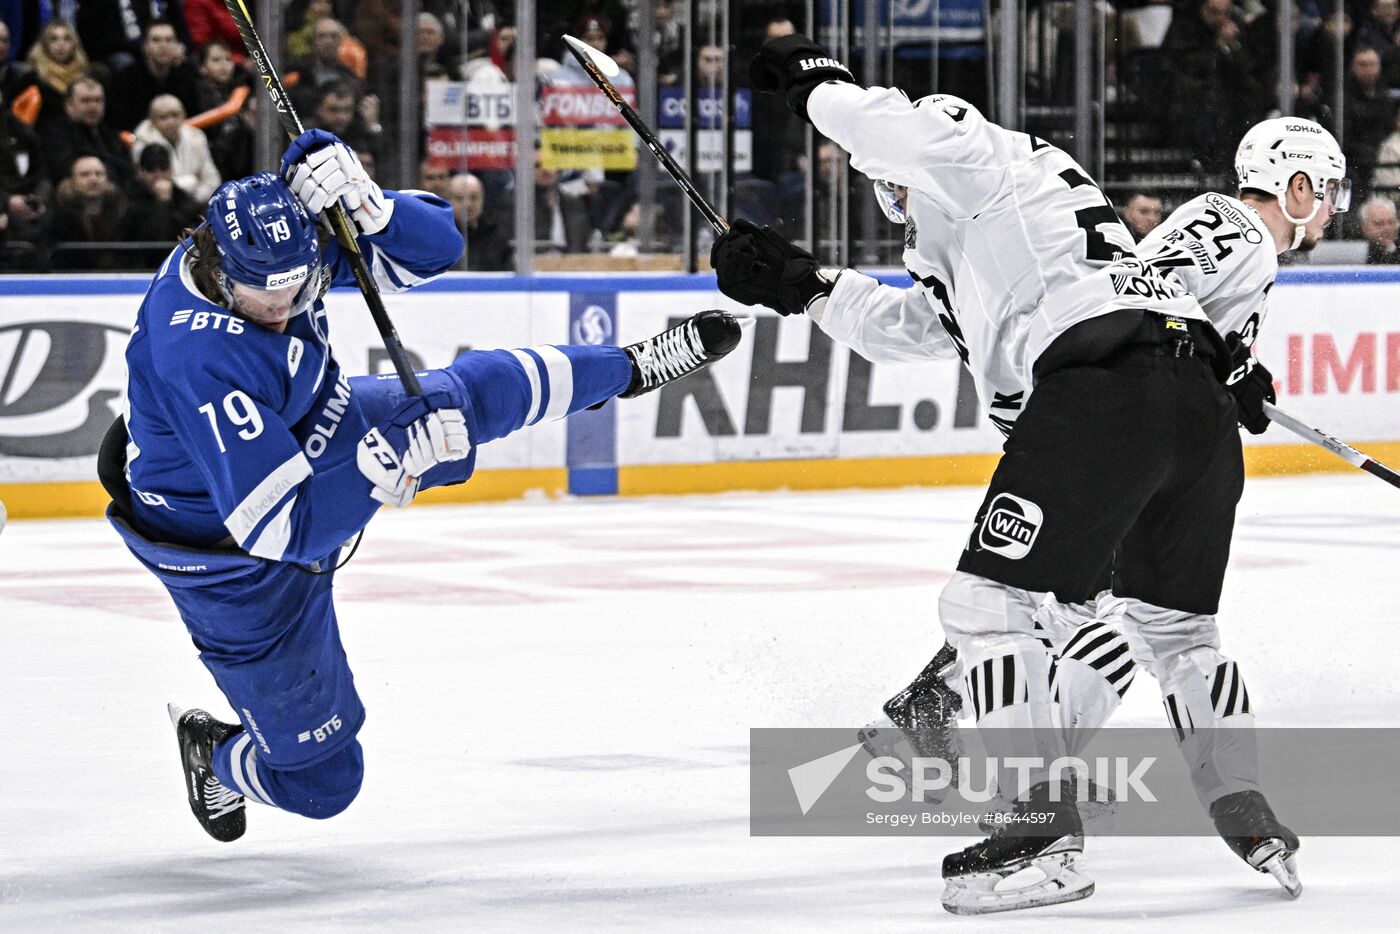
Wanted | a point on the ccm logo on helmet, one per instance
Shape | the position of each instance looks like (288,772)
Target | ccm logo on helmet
(290,277)
(1011,526)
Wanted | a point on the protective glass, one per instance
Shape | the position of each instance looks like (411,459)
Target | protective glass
(890,202)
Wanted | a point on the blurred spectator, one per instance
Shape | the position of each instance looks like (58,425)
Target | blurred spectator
(1386,179)
(191,163)
(1142,213)
(323,66)
(778,136)
(434,58)
(88,208)
(161,69)
(1378,30)
(113,30)
(668,39)
(488,243)
(1317,55)
(218,75)
(24,183)
(377,24)
(1380,227)
(208,20)
(561,212)
(231,141)
(335,112)
(709,66)
(82,131)
(433,178)
(1217,94)
(1369,116)
(56,61)
(158,210)
(594,31)
(301,41)
(15,76)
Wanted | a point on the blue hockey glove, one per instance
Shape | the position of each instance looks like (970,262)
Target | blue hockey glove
(320,169)
(419,434)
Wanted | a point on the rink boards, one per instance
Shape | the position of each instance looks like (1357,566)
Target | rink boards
(787,410)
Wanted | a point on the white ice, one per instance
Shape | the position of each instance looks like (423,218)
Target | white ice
(559,700)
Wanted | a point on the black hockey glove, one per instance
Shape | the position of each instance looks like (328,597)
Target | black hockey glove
(1251,383)
(758,266)
(794,65)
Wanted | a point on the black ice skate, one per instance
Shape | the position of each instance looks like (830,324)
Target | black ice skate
(1040,835)
(1248,826)
(688,347)
(218,810)
(922,719)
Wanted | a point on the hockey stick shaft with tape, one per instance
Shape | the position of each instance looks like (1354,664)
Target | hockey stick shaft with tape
(595,63)
(340,221)
(1323,440)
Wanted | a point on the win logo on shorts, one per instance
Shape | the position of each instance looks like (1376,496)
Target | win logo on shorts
(1010,526)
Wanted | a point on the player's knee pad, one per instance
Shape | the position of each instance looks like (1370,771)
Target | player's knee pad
(1157,635)
(321,790)
(1092,673)
(1006,665)
(1202,688)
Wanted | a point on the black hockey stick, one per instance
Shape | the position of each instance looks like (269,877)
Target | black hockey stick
(599,68)
(1323,440)
(340,222)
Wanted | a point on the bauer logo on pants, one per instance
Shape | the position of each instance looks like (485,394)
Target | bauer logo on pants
(1010,526)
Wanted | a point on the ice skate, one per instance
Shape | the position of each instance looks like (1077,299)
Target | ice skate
(1033,860)
(922,719)
(1098,812)
(219,811)
(1248,826)
(688,347)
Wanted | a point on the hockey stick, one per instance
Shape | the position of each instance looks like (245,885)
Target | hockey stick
(600,67)
(1323,440)
(340,222)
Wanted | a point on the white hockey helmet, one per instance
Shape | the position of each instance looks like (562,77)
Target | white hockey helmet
(1275,150)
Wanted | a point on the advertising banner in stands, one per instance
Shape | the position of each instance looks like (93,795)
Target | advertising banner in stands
(710,156)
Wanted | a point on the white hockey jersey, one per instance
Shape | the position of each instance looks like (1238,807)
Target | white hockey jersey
(1009,241)
(1218,249)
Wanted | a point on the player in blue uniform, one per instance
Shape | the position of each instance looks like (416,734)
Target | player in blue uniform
(248,457)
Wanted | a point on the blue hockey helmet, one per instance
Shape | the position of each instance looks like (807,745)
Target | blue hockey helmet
(265,237)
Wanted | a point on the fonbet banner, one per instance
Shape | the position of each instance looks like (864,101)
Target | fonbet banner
(787,393)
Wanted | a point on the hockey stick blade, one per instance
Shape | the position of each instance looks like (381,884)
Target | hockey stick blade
(600,67)
(340,221)
(1323,440)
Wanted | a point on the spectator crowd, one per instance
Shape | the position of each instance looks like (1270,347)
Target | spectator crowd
(118,122)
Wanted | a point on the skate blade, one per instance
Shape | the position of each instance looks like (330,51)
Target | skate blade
(883,738)
(176,712)
(1063,880)
(1281,864)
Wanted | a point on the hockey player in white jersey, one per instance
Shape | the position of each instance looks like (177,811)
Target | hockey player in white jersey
(1107,379)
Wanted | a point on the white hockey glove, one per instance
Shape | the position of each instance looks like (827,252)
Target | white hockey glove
(435,438)
(332,171)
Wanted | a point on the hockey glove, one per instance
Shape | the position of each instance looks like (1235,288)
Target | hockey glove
(794,65)
(395,455)
(1251,383)
(320,168)
(758,266)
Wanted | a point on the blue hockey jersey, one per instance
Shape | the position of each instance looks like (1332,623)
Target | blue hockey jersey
(240,435)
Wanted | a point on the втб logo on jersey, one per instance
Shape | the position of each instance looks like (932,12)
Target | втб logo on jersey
(1011,526)
(215,320)
(59,386)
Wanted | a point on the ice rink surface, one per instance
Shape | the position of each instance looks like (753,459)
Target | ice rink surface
(559,700)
